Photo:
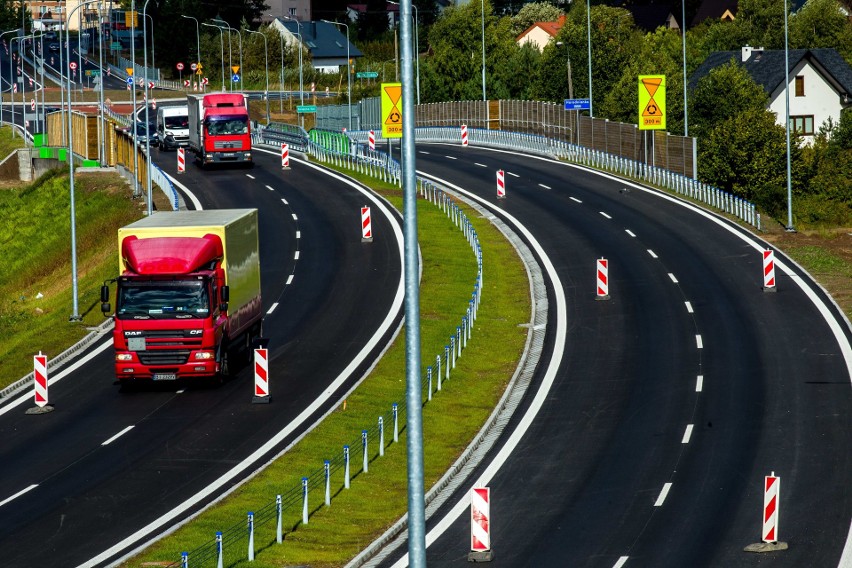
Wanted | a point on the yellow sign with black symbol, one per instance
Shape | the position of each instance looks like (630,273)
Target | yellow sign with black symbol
(652,102)
(392,110)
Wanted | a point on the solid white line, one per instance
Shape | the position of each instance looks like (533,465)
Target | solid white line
(298,234)
(698,342)
(181,391)
(18,494)
(575,199)
(513,175)
(424,152)
(451,157)
(699,383)
(621,562)
(294,217)
(296,257)
(289,280)
(652,253)
(689,307)
(663,495)
(604,214)
(629,232)
(117,436)
(285,202)
(480,165)
(249,176)
(544,186)
(672,276)
(687,435)
(272,308)
(270,188)
(195,202)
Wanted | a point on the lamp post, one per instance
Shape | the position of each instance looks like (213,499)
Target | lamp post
(571,90)
(10,72)
(301,76)
(266,56)
(239,35)
(230,60)
(147,107)
(482,3)
(281,95)
(348,70)
(416,44)
(20,41)
(589,45)
(789,227)
(197,37)
(153,48)
(683,34)
(222,44)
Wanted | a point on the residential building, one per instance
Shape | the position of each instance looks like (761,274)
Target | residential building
(325,42)
(541,33)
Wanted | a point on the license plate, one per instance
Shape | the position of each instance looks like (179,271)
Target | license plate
(228,154)
(165,376)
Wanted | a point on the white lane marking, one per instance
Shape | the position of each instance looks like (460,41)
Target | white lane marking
(698,342)
(575,199)
(480,165)
(661,499)
(451,157)
(687,435)
(249,176)
(652,253)
(295,218)
(621,562)
(272,308)
(181,391)
(629,232)
(544,186)
(195,202)
(699,383)
(513,174)
(224,485)
(270,188)
(604,214)
(689,307)
(285,202)
(117,436)
(672,276)
(18,494)
(289,280)
(296,256)
(298,234)
(424,152)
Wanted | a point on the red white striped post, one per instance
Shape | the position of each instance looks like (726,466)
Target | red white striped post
(285,156)
(768,270)
(372,140)
(771,491)
(366,225)
(603,279)
(40,384)
(181,160)
(464,135)
(261,376)
(501,185)
(480,525)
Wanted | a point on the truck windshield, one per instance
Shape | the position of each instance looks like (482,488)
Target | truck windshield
(176,121)
(162,299)
(227,125)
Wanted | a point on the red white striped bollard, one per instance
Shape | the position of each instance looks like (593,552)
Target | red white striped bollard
(771,506)
(501,184)
(768,270)
(603,279)
(261,376)
(480,525)
(464,134)
(285,156)
(181,159)
(366,225)
(40,384)
(372,140)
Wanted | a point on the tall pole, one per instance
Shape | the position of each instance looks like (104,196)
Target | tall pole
(482,3)
(589,45)
(790,227)
(11,76)
(301,76)
(197,37)
(683,34)
(102,123)
(133,89)
(348,73)
(416,504)
(230,60)
(266,56)
(153,49)
(147,107)
(222,44)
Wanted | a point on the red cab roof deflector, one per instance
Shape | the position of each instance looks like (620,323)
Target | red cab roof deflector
(170,255)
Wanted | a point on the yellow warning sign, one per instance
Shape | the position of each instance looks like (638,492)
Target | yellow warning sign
(235,68)
(129,70)
(652,102)
(392,110)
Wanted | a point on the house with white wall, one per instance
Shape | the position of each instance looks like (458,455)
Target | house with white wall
(820,83)
(541,33)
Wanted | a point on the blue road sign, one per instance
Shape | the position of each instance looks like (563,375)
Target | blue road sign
(235,78)
(578,104)
(130,81)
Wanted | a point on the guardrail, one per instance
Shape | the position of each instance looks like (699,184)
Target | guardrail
(298,501)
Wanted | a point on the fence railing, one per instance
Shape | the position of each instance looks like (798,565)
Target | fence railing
(238,540)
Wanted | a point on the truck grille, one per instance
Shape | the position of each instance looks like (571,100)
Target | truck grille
(163,357)
(228,145)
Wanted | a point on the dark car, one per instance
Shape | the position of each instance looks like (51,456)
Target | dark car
(54,46)
(142,134)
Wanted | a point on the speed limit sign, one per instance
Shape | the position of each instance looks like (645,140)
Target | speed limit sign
(194,66)
(179,66)
(73,65)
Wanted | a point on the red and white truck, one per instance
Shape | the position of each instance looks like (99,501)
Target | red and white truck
(219,128)
(187,300)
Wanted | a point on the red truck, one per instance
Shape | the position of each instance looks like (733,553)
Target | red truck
(219,128)
(187,298)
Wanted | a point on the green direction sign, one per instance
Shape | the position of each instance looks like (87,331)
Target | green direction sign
(366,75)
(115,46)
(93,72)
(306,108)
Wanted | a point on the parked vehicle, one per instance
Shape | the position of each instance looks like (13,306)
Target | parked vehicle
(145,134)
(187,298)
(219,128)
(172,127)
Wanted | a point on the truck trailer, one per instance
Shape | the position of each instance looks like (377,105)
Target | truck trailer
(187,300)
(219,128)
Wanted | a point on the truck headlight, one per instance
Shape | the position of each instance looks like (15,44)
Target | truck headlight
(123,357)
(204,355)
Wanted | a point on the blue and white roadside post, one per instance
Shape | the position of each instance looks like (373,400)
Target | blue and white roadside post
(251,536)
(346,467)
(220,553)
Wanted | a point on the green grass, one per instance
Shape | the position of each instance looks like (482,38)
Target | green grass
(8,143)
(379,497)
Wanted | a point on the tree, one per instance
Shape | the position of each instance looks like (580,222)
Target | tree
(727,91)
(534,12)
(821,23)
(373,21)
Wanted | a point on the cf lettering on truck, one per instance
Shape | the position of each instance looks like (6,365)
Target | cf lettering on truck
(187,300)
(219,128)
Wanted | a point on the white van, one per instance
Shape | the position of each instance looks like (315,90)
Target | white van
(172,126)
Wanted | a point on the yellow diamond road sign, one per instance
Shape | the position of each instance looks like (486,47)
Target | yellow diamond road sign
(392,110)
(235,68)
(129,70)
(652,102)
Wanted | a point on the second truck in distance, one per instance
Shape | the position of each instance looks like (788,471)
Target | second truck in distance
(219,128)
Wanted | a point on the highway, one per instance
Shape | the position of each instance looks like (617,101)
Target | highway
(656,414)
(79,484)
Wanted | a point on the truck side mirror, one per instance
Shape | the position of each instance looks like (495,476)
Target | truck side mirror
(104,293)
(225,293)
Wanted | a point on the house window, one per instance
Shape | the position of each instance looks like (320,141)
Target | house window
(800,86)
(802,125)
(292,11)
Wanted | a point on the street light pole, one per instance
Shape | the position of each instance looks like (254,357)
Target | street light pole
(266,55)
(348,71)
(789,227)
(10,73)
(683,34)
(301,76)
(239,35)
(416,44)
(482,3)
(153,46)
(147,107)
(222,44)
(197,37)
(589,44)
